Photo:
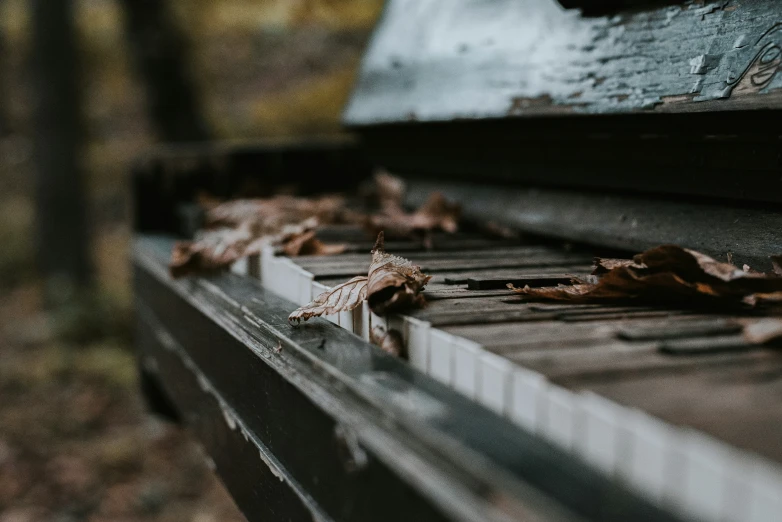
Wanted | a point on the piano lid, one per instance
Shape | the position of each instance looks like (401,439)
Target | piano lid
(440,60)
(658,97)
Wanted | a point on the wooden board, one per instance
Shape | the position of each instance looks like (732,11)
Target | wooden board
(439,60)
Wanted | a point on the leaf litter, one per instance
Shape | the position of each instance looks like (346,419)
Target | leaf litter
(242,227)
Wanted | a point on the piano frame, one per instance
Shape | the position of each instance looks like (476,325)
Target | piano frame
(665,146)
(315,423)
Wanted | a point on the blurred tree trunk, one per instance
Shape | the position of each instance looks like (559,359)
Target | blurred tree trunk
(160,53)
(61,204)
(5,124)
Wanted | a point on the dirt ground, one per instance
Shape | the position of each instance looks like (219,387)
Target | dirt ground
(75,441)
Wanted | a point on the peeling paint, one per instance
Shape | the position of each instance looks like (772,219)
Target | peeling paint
(545,58)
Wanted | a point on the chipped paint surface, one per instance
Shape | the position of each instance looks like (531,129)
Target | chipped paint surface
(447,59)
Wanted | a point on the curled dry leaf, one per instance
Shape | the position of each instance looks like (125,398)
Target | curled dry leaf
(605,265)
(243,227)
(211,249)
(273,213)
(394,282)
(389,341)
(669,273)
(341,298)
(300,240)
(306,244)
(437,213)
(390,189)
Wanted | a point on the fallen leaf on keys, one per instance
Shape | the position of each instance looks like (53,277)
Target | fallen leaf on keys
(211,249)
(306,244)
(390,189)
(394,282)
(605,265)
(272,213)
(341,298)
(668,273)
(390,341)
(437,213)
(244,226)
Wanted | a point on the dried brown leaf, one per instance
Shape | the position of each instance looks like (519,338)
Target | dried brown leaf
(390,189)
(604,265)
(306,244)
(211,249)
(437,213)
(669,274)
(269,215)
(389,341)
(341,298)
(394,283)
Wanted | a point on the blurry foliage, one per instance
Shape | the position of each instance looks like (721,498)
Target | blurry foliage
(263,68)
(75,442)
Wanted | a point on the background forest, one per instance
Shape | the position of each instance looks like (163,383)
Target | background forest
(75,443)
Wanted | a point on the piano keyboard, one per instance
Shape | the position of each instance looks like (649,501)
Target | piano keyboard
(671,402)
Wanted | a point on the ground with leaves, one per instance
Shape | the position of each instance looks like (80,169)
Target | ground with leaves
(75,441)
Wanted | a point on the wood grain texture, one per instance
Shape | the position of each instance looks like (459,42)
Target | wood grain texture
(440,60)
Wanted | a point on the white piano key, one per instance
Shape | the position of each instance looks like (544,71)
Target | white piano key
(361,320)
(736,503)
(317,289)
(495,382)
(267,258)
(465,366)
(366,320)
(765,492)
(375,320)
(291,274)
(647,465)
(277,275)
(395,322)
(240,266)
(528,389)
(601,426)
(677,471)
(305,279)
(441,353)
(346,320)
(560,408)
(416,336)
(707,465)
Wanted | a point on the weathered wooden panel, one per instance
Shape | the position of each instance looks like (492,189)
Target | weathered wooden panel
(614,220)
(439,60)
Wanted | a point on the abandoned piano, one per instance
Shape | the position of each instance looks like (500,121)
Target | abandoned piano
(592,128)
